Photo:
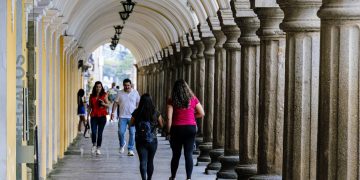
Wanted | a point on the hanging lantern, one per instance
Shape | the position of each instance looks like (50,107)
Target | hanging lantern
(115,39)
(118,29)
(124,15)
(112,46)
(128,6)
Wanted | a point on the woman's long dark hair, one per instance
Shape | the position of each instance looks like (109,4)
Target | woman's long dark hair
(181,94)
(80,94)
(102,92)
(146,109)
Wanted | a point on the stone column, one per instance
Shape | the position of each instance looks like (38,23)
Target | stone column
(208,40)
(168,77)
(160,86)
(338,138)
(248,23)
(150,78)
(193,65)
(154,82)
(31,83)
(138,77)
(200,93)
(271,93)
(195,85)
(174,68)
(232,117)
(219,99)
(31,45)
(302,28)
(187,63)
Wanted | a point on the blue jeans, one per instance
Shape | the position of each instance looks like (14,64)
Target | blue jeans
(123,124)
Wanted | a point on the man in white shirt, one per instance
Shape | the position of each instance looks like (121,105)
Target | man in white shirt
(128,100)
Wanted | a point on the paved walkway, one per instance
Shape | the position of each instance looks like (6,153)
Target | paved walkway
(79,164)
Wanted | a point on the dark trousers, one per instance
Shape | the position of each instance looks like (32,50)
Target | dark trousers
(97,128)
(146,153)
(182,136)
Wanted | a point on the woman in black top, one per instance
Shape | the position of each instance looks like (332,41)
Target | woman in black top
(146,120)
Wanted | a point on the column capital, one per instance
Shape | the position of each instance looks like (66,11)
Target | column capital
(242,8)
(36,14)
(194,51)
(270,18)
(232,34)
(184,41)
(214,23)
(200,49)
(226,17)
(300,15)
(195,34)
(205,30)
(220,39)
(209,43)
(28,6)
(247,21)
(165,53)
(187,54)
(339,10)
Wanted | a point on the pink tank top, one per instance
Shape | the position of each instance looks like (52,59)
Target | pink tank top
(185,116)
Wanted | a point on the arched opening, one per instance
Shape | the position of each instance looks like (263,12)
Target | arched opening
(110,66)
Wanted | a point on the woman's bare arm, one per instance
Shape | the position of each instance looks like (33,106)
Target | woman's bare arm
(170,111)
(106,101)
(160,121)
(199,113)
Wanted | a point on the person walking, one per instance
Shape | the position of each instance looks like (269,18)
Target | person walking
(146,120)
(182,109)
(97,110)
(127,99)
(81,109)
(112,93)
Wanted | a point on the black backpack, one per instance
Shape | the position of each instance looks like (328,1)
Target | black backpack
(144,131)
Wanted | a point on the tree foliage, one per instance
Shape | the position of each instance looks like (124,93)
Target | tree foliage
(118,64)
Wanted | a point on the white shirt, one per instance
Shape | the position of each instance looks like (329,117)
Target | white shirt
(128,102)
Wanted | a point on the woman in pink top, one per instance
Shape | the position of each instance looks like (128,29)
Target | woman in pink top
(182,109)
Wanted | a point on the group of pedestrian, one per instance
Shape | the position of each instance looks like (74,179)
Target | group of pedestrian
(141,117)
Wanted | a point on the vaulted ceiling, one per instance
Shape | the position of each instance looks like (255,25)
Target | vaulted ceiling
(153,25)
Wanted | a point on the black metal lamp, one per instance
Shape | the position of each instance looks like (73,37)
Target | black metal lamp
(115,39)
(118,29)
(128,5)
(112,46)
(124,15)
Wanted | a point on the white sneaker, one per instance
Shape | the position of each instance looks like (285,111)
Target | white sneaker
(93,149)
(131,153)
(98,152)
(122,148)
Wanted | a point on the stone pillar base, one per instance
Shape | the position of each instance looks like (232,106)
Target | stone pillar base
(198,141)
(215,164)
(227,170)
(204,157)
(245,171)
(266,177)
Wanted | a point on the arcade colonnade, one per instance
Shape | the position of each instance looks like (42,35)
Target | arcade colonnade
(279,80)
